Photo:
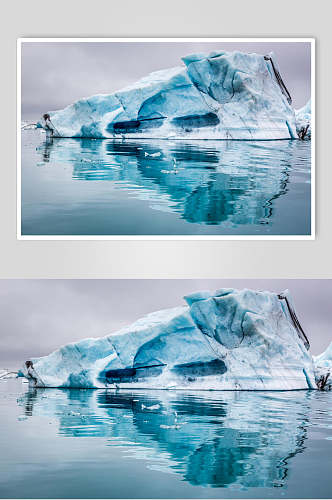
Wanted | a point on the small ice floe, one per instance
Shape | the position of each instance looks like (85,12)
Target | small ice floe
(5,374)
(21,418)
(126,416)
(75,413)
(153,407)
(28,126)
(154,155)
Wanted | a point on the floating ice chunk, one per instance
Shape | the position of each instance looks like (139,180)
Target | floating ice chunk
(325,359)
(220,95)
(323,369)
(27,125)
(230,339)
(6,374)
(303,121)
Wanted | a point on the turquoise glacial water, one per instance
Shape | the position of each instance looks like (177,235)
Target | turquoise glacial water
(148,187)
(65,443)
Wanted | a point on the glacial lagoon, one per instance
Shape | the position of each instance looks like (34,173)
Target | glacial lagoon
(164,187)
(67,443)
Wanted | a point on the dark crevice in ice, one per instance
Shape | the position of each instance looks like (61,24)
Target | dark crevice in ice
(200,368)
(133,126)
(123,375)
(196,121)
(191,370)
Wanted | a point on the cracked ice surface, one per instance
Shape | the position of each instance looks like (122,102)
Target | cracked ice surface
(230,339)
(221,95)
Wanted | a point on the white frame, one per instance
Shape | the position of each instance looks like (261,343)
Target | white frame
(20,41)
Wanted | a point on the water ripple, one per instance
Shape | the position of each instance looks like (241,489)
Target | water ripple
(206,187)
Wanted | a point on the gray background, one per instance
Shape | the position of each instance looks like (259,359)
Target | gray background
(57,74)
(37,316)
(165,259)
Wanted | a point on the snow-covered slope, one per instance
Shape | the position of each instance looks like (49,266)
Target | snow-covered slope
(232,339)
(221,95)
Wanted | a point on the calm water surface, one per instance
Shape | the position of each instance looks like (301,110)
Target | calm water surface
(107,187)
(105,444)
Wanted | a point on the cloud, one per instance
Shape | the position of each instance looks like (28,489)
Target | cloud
(37,316)
(54,74)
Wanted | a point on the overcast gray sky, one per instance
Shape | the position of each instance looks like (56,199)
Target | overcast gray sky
(37,316)
(54,74)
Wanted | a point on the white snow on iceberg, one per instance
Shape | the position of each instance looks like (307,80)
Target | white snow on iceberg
(221,95)
(228,340)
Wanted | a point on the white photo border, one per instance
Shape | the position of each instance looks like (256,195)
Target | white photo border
(311,236)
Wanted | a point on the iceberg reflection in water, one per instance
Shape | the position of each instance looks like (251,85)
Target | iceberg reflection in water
(208,444)
(165,187)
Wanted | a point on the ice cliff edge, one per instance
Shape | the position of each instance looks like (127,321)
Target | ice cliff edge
(227,340)
(220,95)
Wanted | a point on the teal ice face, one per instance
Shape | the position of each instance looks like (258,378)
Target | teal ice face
(227,340)
(221,95)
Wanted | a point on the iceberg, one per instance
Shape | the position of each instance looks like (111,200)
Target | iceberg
(303,121)
(323,369)
(220,95)
(6,374)
(227,340)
